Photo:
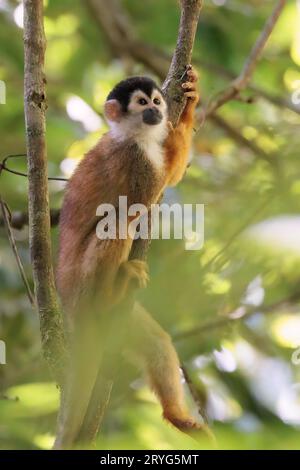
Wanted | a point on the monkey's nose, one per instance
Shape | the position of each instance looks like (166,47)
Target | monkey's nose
(152,116)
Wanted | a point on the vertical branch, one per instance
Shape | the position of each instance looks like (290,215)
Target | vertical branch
(39,216)
(190,11)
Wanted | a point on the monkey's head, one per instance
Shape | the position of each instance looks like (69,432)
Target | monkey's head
(135,106)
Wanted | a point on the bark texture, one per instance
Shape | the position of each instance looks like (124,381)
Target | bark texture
(190,11)
(39,214)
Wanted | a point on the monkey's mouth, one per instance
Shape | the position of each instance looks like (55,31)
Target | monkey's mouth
(152,116)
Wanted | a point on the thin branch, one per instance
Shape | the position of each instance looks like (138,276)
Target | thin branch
(247,312)
(39,215)
(197,397)
(239,230)
(19,173)
(3,166)
(6,221)
(19,219)
(241,82)
(276,100)
(235,135)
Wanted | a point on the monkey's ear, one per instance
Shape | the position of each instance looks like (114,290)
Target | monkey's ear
(112,110)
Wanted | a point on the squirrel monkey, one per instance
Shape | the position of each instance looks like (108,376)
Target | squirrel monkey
(139,157)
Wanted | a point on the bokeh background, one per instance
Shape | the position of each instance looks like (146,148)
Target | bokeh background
(232,307)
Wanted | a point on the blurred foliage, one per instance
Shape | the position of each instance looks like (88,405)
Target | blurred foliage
(251,256)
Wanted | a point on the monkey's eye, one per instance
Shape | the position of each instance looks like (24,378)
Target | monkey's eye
(142,101)
(156,101)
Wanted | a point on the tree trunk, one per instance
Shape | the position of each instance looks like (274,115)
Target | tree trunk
(39,214)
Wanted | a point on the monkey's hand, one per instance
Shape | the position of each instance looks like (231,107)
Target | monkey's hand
(190,85)
(187,117)
(178,142)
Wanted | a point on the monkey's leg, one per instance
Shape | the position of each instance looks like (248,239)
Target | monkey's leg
(151,347)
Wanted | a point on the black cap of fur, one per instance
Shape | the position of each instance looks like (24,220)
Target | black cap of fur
(123,90)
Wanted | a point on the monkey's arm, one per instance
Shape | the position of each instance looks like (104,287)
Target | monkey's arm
(178,143)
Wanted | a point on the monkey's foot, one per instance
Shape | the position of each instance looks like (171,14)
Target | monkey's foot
(138,271)
(190,86)
(182,424)
(190,427)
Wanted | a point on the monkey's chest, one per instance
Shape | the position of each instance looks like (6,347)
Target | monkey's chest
(146,179)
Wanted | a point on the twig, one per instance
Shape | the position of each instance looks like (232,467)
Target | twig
(5,215)
(250,64)
(276,100)
(244,78)
(225,321)
(20,219)
(3,166)
(235,135)
(238,231)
